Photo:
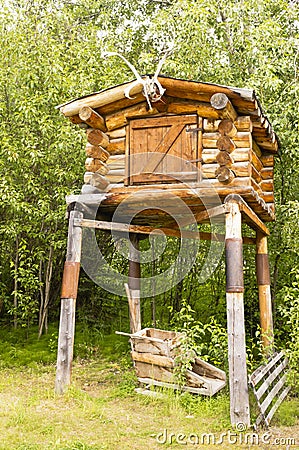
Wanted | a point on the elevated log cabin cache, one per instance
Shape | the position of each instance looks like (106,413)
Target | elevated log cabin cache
(197,140)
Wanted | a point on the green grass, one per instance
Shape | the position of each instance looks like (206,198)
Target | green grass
(101,410)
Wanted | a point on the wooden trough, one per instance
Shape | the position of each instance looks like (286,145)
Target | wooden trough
(154,354)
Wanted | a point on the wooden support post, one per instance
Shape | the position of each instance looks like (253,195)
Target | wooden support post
(68,305)
(238,384)
(263,281)
(134,284)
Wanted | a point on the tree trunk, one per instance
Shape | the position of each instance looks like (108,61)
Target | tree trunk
(16,284)
(46,294)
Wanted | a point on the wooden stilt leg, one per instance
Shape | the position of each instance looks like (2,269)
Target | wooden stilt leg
(68,304)
(265,303)
(238,384)
(134,284)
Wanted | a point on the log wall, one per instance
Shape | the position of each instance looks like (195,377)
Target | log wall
(240,154)
(230,156)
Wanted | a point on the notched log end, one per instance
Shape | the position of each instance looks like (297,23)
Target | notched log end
(224,175)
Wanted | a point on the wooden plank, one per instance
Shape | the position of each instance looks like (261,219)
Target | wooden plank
(142,337)
(126,228)
(270,378)
(162,121)
(158,177)
(217,385)
(278,402)
(259,374)
(205,215)
(163,147)
(156,360)
(165,335)
(159,373)
(274,391)
(151,347)
(203,368)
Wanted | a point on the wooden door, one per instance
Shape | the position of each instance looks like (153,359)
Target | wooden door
(163,149)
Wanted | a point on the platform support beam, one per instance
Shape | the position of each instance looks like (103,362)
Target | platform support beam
(264,290)
(134,284)
(238,383)
(69,291)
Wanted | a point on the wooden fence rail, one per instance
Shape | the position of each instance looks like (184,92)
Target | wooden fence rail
(268,384)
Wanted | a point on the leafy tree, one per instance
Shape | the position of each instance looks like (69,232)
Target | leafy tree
(51,52)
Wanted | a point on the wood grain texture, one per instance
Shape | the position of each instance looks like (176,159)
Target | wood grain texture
(67,314)
(92,118)
(264,292)
(221,103)
(268,384)
(239,397)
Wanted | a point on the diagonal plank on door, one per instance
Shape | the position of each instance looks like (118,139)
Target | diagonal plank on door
(177,126)
(163,148)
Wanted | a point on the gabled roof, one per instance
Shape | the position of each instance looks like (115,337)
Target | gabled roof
(245,102)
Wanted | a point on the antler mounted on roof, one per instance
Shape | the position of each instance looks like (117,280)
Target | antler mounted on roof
(152,88)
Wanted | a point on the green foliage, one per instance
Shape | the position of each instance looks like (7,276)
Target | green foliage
(51,52)
(289,310)
(21,347)
(254,352)
(209,341)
